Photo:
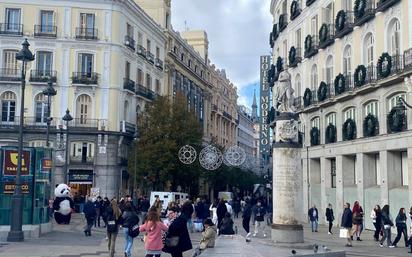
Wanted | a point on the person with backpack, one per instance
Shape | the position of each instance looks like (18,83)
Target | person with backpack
(226,228)
(113,219)
(153,228)
(130,220)
(401,228)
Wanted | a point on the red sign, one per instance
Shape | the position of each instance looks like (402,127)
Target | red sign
(10,186)
(46,164)
(10,163)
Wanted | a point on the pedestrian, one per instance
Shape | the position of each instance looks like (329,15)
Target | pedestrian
(314,218)
(105,205)
(226,228)
(208,237)
(229,208)
(114,219)
(376,217)
(98,206)
(330,217)
(236,207)
(130,219)
(357,213)
(346,223)
(144,207)
(410,237)
(221,212)
(213,209)
(259,214)
(387,224)
(247,213)
(187,211)
(90,215)
(153,229)
(158,205)
(177,238)
(401,227)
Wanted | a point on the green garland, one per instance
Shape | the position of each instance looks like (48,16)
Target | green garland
(323,32)
(281,22)
(271,43)
(307,97)
(360,6)
(314,136)
(330,136)
(279,64)
(381,72)
(294,10)
(396,122)
(322,91)
(308,43)
(349,129)
(292,55)
(370,125)
(340,84)
(271,75)
(359,76)
(340,20)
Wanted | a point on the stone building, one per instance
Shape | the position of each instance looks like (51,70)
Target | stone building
(350,63)
(105,61)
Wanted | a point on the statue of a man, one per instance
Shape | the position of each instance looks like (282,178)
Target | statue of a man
(283,93)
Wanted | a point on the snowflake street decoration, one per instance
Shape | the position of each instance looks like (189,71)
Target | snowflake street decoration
(210,158)
(187,154)
(235,156)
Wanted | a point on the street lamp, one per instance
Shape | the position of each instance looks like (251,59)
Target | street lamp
(400,106)
(67,117)
(49,92)
(16,232)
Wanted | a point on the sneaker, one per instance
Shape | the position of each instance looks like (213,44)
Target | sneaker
(391,246)
(381,245)
(254,234)
(248,235)
(264,235)
(348,245)
(329,233)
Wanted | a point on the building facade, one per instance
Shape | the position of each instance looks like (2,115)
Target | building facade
(106,63)
(350,62)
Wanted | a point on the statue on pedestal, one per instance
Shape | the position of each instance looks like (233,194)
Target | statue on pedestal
(283,93)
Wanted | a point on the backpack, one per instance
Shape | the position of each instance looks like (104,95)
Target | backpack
(134,231)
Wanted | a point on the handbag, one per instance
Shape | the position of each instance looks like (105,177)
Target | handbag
(343,233)
(172,241)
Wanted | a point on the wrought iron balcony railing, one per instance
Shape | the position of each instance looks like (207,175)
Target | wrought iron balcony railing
(43,76)
(12,29)
(45,31)
(87,78)
(7,74)
(129,42)
(128,84)
(86,33)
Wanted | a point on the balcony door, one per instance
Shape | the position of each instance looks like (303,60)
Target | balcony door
(8,106)
(83,109)
(44,63)
(85,65)
(12,20)
(46,21)
(10,62)
(41,108)
(87,24)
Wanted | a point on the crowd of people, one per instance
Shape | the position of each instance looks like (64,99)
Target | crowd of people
(352,224)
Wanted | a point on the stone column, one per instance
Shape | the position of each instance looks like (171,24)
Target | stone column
(409,170)
(287,181)
(324,172)
(339,189)
(383,162)
(359,169)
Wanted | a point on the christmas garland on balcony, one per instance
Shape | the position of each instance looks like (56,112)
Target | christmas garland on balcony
(282,21)
(308,43)
(279,65)
(307,97)
(314,136)
(360,6)
(340,83)
(322,91)
(360,76)
(383,72)
(271,42)
(370,125)
(292,55)
(396,121)
(340,20)
(349,129)
(330,136)
(323,33)
(294,10)
(271,75)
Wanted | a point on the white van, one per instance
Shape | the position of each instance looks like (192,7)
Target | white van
(167,197)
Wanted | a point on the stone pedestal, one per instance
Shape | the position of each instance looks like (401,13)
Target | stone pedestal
(287,181)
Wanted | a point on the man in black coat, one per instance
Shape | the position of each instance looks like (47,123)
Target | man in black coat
(221,212)
(178,233)
(90,215)
(347,222)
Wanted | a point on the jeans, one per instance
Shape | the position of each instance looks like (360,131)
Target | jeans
(97,220)
(398,236)
(330,226)
(258,225)
(129,242)
(386,235)
(314,224)
(378,227)
(81,206)
(190,225)
(89,225)
(111,244)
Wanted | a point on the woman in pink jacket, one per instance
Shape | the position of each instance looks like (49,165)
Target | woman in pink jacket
(153,228)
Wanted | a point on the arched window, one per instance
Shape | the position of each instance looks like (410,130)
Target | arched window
(372,108)
(368,49)
(41,108)
(126,110)
(393,101)
(8,106)
(331,119)
(314,77)
(329,70)
(83,108)
(347,60)
(298,85)
(394,29)
(315,122)
(350,113)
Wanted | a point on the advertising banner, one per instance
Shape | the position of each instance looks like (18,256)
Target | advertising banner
(10,160)
(10,186)
(265,143)
(46,165)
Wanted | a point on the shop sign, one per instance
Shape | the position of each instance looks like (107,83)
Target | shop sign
(81,176)
(10,186)
(10,163)
(264,106)
(46,164)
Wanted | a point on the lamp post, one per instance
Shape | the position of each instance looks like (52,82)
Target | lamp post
(16,232)
(49,92)
(67,117)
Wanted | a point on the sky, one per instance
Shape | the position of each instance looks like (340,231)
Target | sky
(238,33)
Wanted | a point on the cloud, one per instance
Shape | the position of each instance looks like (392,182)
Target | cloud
(238,32)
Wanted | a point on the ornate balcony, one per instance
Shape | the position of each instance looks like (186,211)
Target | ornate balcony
(8,75)
(283,22)
(86,33)
(326,35)
(127,127)
(86,78)
(87,160)
(129,84)
(344,23)
(45,31)
(159,63)
(11,29)
(295,10)
(144,92)
(364,13)
(150,57)
(141,51)
(311,46)
(295,56)
(309,2)
(43,76)
(129,42)
(383,5)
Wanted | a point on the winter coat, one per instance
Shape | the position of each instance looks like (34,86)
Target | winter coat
(386,219)
(329,215)
(259,213)
(154,235)
(358,217)
(226,228)
(111,217)
(208,238)
(247,212)
(130,219)
(346,218)
(178,228)
(221,210)
(89,211)
(310,214)
(401,221)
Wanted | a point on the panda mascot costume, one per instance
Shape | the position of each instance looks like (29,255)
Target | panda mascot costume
(63,204)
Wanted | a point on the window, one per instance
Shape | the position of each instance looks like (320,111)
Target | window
(347,64)
(393,101)
(8,106)
(404,169)
(315,122)
(329,70)
(298,85)
(394,46)
(158,86)
(10,61)
(83,108)
(190,63)
(331,119)
(139,39)
(12,19)
(333,172)
(314,77)
(44,63)
(148,45)
(298,38)
(85,64)
(369,49)
(349,114)
(46,21)
(127,70)
(157,52)
(347,5)
(129,30)
(126,111)
(86,22)
(328,14)
(372,108)
(314,25)
(140,77)
(41,108)
(148,81)
(82,151)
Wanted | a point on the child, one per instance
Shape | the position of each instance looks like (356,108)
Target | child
(208,237)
